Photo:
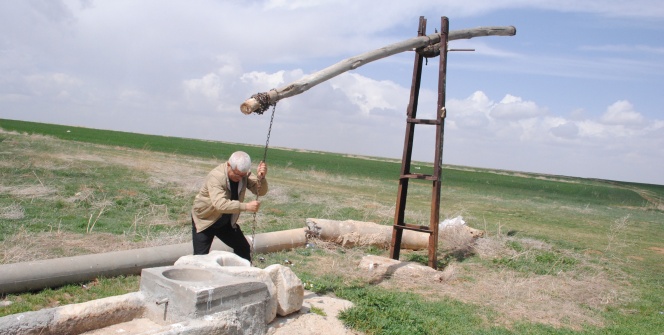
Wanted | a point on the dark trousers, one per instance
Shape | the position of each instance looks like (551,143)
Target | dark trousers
(232,237)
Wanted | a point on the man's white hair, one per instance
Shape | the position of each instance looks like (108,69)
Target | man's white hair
(240,161)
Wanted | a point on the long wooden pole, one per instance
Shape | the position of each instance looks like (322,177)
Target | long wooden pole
(429,45)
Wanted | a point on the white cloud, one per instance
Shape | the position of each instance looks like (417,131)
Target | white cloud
(524,121)
(217,86)
(369,94)
(516,119)
(208,86)
(262,81)
(570,146)
(512,118)
(621,112)
(514,108)
(567,130)
(470,113)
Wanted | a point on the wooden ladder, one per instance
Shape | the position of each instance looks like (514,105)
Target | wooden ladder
(439,122)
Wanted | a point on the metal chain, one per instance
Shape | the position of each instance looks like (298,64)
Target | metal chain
(258,189)
(264,102)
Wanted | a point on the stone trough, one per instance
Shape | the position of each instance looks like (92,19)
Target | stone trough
(217,293)
(186,293)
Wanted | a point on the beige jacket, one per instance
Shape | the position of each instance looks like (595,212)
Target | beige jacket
(214,198)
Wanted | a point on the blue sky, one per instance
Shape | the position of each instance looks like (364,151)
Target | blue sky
(576,92)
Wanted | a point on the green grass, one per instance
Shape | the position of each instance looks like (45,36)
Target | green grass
(583,191)
(84,194)
(380,312)
(618,224)
(540,263)
(70,294)
(304,161)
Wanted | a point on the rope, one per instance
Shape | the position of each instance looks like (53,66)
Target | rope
(262,99)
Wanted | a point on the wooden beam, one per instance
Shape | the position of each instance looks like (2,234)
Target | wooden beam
(427,45)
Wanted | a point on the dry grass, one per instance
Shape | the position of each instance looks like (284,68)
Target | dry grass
(570,299)
(27,246)
(12,212)
(165,170)
(28,191)
(564,300)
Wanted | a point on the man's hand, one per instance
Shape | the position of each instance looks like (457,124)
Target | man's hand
(262,170)
(253,206)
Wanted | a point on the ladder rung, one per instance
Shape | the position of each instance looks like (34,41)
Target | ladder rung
(418,176)
(423,229)
(423,121)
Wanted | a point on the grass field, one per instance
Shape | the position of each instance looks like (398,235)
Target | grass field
(560,255)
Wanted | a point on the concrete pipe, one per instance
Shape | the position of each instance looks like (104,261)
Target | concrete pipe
(36,275)
(358,233)
(279,240)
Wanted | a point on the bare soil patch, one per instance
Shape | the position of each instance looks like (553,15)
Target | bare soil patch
(658,250)
(306,322)
(28,191)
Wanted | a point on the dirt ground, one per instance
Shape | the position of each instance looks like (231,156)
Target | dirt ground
(307,322)
(304,322)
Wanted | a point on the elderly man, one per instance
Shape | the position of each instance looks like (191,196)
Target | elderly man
(220,201)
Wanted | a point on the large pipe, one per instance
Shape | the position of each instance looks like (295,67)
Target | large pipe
(452,233)
(359,233)
(278,240)
(37,275)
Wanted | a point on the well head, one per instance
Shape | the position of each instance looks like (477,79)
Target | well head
(179,293)
(186,274)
